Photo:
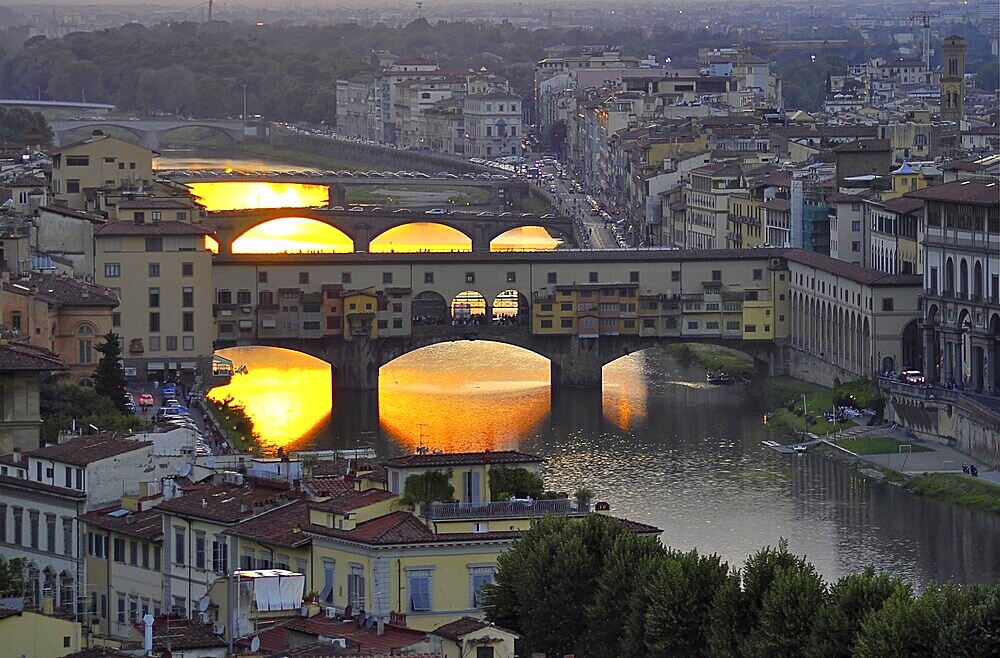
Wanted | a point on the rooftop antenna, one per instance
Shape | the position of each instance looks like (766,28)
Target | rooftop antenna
(925,18)
(420,8)
(210,2)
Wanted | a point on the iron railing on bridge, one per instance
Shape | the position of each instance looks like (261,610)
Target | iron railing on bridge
(924,392)
(503,509)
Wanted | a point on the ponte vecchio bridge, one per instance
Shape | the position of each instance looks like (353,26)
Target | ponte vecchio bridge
(579,309)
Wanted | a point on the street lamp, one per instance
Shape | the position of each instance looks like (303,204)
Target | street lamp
(244,108)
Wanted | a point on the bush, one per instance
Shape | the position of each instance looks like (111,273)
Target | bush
(517,482)
(432,486)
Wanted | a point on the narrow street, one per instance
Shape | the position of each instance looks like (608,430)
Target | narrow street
(575,204)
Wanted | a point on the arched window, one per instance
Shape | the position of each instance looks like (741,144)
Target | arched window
(949,277)
(85,343)
(964,278)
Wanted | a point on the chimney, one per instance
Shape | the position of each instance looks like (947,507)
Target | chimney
(380,626)
(17,455)
(147,634)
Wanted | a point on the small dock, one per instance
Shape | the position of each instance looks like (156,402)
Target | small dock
(793,449)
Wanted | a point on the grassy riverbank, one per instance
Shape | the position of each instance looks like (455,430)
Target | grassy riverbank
(877,445)
(801,407)
(238,425)
(713,358)
(958,488)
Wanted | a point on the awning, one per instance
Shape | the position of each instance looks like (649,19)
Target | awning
(189,365)
(155,365)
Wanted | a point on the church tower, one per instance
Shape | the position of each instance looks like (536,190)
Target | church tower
(953,80)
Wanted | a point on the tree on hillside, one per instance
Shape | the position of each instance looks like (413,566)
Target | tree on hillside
(109,377)
(22,126)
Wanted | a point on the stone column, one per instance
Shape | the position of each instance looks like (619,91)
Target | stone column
(929,364)
(577,363)
(357,365)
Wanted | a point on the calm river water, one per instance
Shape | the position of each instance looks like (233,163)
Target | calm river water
(656,442)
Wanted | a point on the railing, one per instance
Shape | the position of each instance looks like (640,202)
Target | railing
(928,392)
(503,509)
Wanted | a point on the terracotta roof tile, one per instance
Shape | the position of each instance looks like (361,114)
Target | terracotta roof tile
(327,486)
(99,652)
(862,275)
(59,290)
(146,525)
(16,357)
(22,483)
(278,527)
(163,228)
(362,639)
(156,203)
(975,192)
(462,458)
(84,450)
(353,500)
(459,628)
(225,503)
(76,214)
(177,633)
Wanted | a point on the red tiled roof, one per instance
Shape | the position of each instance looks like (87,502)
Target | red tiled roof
(225,503)
(60,290)
(862,275)
(156,203)
(27,181)
(323,486)
(83,450)
(462,459)
(353,500)
(99,652)
(146,525)
(459,628)
(903,205)
(178,633)
(365,640)
(76,214)
(278,527)
(163,228)
(783,205)
(976,192)
(16,357)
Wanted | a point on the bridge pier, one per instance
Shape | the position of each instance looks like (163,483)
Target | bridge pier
(578,363)
(356,369)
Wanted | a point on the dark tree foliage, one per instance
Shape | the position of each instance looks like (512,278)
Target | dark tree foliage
(61,404)
(12,576)
(109,376)
(517,482)
(592,588)
(22,126)
(432,486)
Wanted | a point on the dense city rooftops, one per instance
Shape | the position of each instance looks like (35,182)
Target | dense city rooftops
(277,527)
(61,290)
(225,503)
(986,193)
(147,524)
(21,356)
(459,628)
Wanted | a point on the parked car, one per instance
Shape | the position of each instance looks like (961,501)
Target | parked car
(913,377)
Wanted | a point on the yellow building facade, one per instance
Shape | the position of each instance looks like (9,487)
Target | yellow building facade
(99,162)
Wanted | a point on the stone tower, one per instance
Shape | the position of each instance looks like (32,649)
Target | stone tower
(953,80)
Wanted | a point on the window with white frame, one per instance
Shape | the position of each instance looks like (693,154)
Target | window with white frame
(356,587)
(479,575)
(418,584)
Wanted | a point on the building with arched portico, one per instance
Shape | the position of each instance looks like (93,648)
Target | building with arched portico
(961,310)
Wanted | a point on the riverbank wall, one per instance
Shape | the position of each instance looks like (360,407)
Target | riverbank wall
(800,364)
(380,157)
(962,423)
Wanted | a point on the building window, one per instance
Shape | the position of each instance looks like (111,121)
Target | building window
(345,277)
(119,549)
(470,277)
(887,304)
(199,550)
(187,321)
(154,343)
(633,276)
(418,584)
(154,322)
(112,270)
(187,297)
(154,298)
(716,275)
(551,277)
(356,587)
(546,324)
(187,269)
(220,557)
(428,277)
(171,343)
(179,552)
(121,608)
(133,553)
(329,573)
(154,270)
(67,526)
(758,275)
(511,277)
(479,576)
(592,277)
(386,277)
(675,275)
(303,277)
(154,244)
(72,186)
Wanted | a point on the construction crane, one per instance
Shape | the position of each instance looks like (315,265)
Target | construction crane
(925,18)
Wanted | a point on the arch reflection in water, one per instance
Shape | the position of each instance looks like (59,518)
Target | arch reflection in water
(464,396)
(624,393)
(525,238)
(420,236)
(292,235)
(239,195)
(286,393)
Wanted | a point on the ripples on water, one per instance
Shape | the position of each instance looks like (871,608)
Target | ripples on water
(661,446)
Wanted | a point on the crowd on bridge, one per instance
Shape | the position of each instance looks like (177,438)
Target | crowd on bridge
(479,319)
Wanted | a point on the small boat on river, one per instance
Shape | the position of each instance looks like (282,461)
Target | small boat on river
(720,379)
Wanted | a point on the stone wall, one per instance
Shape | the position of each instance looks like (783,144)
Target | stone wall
(380,157)
(962,424)
(807,367)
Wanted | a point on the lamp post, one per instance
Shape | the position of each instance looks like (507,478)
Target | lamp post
(244,109)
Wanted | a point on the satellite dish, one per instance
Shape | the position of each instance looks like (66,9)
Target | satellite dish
(255,644)
(203,604)
(183,469)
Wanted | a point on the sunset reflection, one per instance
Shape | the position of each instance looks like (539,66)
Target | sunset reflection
(526,238)
(464,396)
(291,235)
(624,396)
(238,195)
(420,236)
(287,394)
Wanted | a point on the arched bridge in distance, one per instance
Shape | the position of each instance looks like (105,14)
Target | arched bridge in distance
(579,309)
(363,227)
(148,131)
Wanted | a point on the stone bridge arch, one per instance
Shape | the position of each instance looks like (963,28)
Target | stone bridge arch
(563,231)
(229,226)
(86,129)
(234,135)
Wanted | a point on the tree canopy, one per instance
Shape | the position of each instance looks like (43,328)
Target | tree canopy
(109,377)
(593,588)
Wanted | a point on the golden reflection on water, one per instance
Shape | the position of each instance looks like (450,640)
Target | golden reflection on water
(238,195)
(420,236)
(286,393)
(460,396)
(292,235)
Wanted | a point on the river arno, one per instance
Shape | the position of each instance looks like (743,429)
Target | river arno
(658,444)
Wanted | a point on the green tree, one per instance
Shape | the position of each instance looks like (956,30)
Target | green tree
(617,613)
(109,376)
(851,600)
(62,404)
(681,592)
(428,487)
(792,601)
(21,126)
(726,620)
(518,482)
(975,631)
(12,576)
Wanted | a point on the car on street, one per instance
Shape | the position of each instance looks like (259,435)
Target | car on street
(436,211)
(146,399)
(913,377)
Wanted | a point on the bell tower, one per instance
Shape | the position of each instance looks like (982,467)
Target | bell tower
(953,80)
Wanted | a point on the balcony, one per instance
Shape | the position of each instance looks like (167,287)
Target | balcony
(510,509)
